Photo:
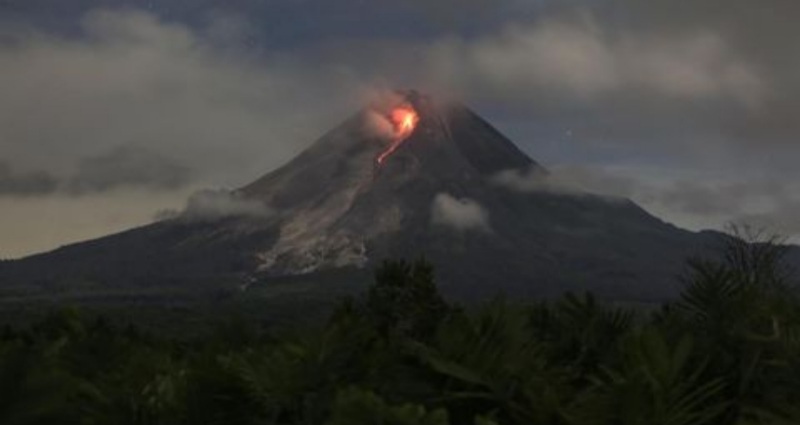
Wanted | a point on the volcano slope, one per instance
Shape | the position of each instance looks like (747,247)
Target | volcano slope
(333,213)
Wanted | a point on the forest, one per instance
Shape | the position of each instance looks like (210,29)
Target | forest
(727,351)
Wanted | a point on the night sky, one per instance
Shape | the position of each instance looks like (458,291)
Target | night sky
(113,111)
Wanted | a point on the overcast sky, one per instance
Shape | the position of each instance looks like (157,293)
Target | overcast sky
(114,110)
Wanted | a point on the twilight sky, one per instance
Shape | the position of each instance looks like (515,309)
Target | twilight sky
(114,110)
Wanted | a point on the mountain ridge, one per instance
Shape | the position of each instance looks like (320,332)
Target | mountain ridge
(335,207)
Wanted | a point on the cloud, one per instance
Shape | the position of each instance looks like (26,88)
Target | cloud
(551,55)
(34,224)
(579,60)
(698,202)
(460,214)
(703,198)
(460,13)
(692,197)
(128,166)
(232,114)
(782,218)
(574,180)
(764,35)
(25,184)
(130,78)
(771,204)
(698,66)
(209,205)
(636,83)
(525,180)
(691,92)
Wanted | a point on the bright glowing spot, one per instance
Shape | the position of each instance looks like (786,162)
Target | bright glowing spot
(404,120)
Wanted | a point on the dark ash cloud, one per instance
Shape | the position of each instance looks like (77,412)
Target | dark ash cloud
(25,184)
(128,166)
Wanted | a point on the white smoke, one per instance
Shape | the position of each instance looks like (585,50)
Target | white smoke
(527,180)
(381,102)
(460,214)
(378,125)
(212,204)
(574,180)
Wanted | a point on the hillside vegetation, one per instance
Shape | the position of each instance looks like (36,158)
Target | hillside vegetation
(726,352)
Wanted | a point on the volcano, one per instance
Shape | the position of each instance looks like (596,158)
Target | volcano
(380,187)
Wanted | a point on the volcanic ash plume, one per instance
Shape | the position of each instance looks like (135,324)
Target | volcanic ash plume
(378,125)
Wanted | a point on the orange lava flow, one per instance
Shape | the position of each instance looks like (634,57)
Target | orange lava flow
(404,120)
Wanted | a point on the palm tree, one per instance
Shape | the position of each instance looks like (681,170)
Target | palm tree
(491,363)
(656,384)
(744,308)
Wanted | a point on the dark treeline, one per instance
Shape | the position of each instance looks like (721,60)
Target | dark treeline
(726,352)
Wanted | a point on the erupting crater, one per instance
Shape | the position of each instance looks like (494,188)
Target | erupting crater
(404,120)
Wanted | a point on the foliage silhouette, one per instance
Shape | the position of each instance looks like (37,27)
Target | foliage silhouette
(726,353)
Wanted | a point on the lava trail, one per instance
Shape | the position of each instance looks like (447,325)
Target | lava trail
(404,120)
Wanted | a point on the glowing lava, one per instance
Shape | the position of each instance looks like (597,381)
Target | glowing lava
(404,120)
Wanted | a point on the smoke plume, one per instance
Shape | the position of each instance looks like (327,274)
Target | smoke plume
(460,214)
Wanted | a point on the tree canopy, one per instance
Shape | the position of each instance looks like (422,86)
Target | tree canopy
(727,352)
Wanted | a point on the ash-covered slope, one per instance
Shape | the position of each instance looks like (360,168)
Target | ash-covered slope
(335,208)
(334,201)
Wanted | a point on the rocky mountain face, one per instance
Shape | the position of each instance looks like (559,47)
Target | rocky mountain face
(402,179)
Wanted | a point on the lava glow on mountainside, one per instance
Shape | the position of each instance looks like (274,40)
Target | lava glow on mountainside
(404,120)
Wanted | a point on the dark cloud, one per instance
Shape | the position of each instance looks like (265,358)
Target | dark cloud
(612,83)
(712,85)
(691,89)
(782,218)
(467,15)
(770,203)
(174,89)
(25,184)
(763,33)
(683,84)
(733,198)
(128,166)
(692,197)
(122,167)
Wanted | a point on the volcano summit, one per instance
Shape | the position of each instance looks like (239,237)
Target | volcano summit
(403,178)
